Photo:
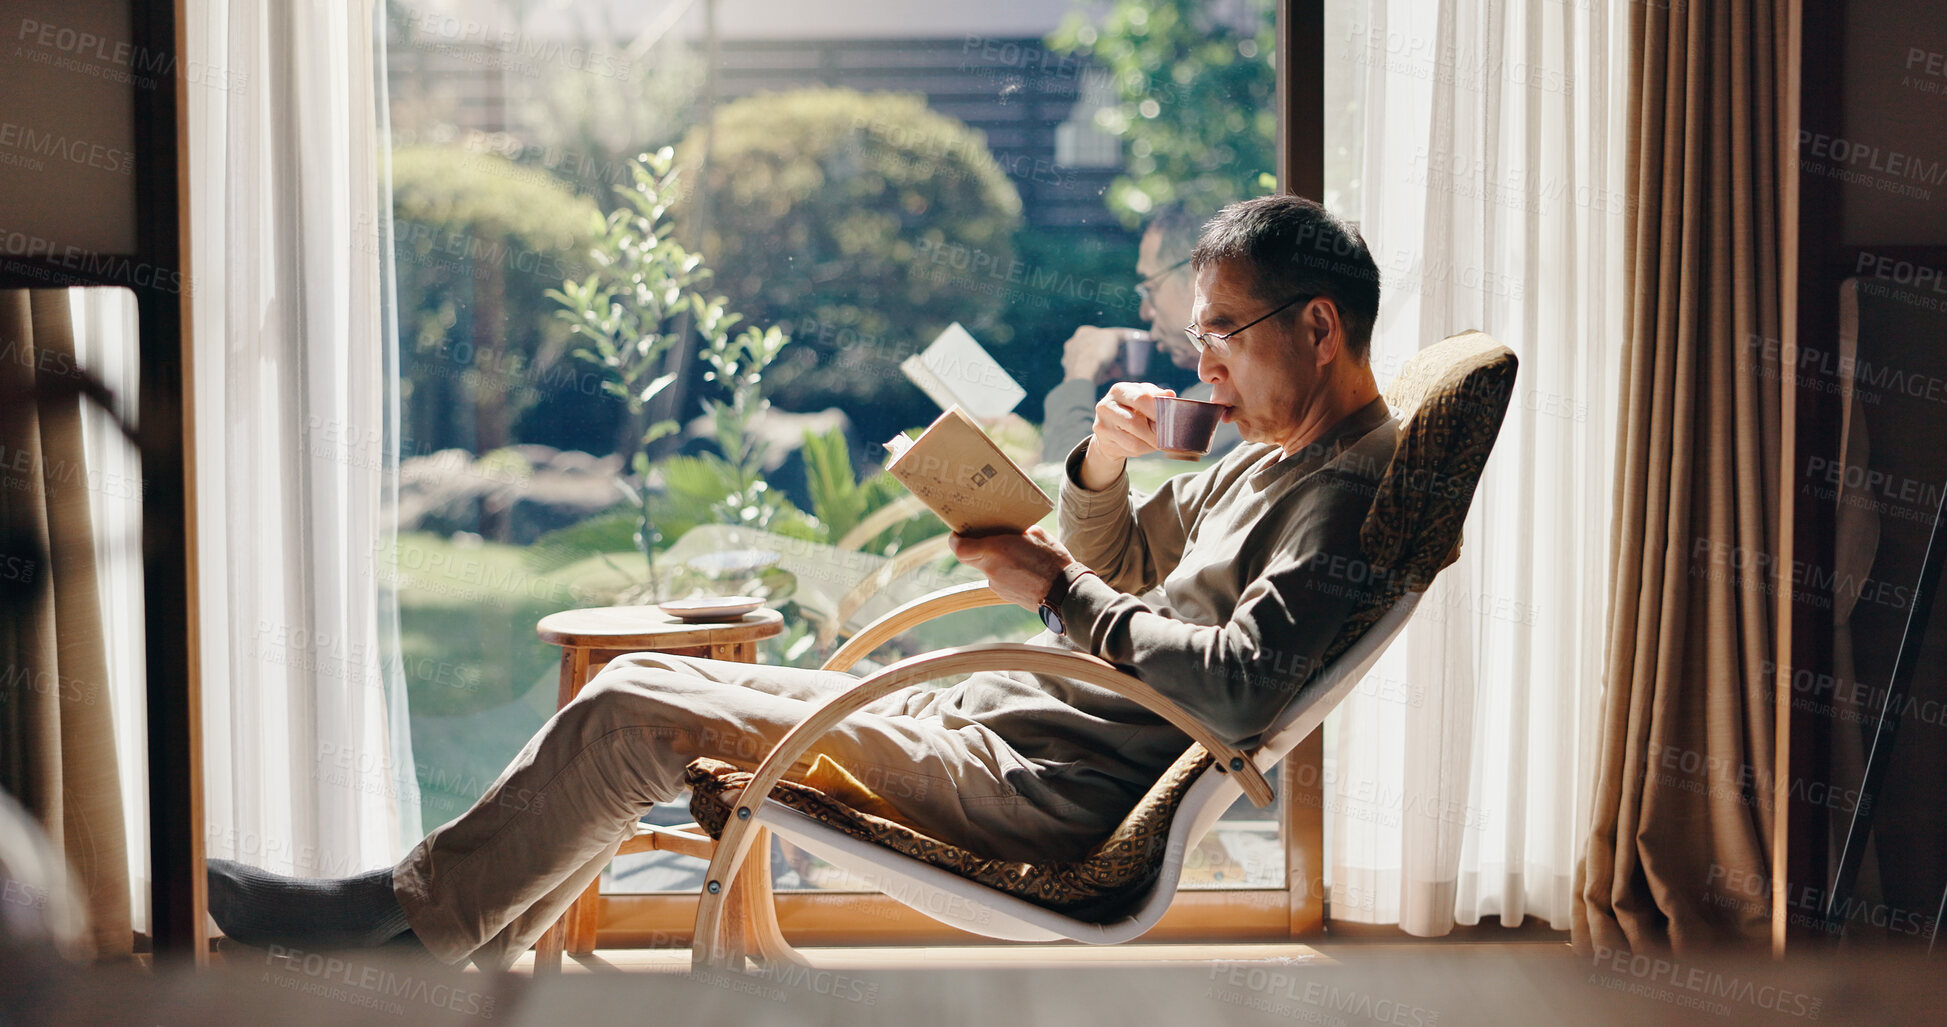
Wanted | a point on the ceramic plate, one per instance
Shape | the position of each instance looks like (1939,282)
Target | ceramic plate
(710,608)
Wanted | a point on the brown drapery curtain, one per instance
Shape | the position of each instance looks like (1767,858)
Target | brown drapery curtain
(1678,854)
(57,739)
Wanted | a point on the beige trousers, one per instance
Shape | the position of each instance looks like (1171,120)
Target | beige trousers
(489,883)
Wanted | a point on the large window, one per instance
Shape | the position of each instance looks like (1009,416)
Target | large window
(857,175)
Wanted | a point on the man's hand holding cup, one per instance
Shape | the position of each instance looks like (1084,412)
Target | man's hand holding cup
(1137,418)
(1100,354)
(1125,427)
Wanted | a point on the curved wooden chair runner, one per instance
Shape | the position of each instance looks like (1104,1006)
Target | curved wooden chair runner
(1451,399)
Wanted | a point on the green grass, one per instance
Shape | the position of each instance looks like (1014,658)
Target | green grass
(467,621)
(478,680)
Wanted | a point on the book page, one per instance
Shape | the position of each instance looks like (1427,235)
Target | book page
(957,371)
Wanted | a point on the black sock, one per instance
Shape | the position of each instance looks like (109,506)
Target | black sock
(409,950)
(261,909)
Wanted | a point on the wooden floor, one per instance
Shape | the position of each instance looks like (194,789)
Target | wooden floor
(1342,941)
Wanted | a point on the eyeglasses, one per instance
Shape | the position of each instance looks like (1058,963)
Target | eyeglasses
(1219,342)
(1147,287)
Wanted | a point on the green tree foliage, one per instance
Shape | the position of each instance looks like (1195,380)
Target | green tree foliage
(642,299)
(479,240)
(1194,84)
(865,223)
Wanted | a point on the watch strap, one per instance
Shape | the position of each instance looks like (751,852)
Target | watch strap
(1058,593)
(1064,580)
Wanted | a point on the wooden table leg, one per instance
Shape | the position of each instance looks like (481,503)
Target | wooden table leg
(584,918)
(574,673)
(1302,777)
(736,652)
(576,931)
(547,951)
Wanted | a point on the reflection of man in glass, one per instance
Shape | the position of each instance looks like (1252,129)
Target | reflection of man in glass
(1094,356)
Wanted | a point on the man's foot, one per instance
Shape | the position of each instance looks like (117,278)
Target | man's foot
(261,909)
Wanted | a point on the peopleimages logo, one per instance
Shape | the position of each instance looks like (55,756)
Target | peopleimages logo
(96,56)
(1805,904)
(518,49)
(1289,994)
(356,982)
(119,270)
(1873,158)
(1694,986)
(60,148)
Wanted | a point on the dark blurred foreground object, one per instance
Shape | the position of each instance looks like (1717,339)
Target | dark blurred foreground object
(41,917)
(58,756)
(1413,986)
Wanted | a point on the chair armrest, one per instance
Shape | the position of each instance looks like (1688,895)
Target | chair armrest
(953,599)
(1032,659)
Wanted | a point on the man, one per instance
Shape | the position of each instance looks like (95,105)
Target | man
(1093,356)
(1255,558)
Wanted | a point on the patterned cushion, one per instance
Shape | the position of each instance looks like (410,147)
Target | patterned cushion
(1450,398)
(1098,888)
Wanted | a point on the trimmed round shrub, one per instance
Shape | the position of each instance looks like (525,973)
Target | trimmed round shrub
(861,223)
(478,241)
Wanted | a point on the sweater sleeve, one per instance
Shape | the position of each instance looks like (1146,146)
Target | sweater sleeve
(1236,677)
(1067,417)
(1132,542)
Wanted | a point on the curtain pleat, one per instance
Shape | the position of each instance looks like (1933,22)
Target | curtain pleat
(1682,806)
(55,724)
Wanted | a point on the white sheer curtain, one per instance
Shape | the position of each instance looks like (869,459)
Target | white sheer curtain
(308,765)
(105,344)
(1491,195)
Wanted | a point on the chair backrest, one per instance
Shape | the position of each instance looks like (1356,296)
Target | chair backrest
(1451,398)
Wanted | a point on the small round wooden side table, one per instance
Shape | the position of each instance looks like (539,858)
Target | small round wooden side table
(589,639)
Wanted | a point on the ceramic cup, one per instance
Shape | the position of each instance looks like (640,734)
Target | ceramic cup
(1184,426)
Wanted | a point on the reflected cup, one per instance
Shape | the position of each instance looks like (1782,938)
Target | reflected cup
(1184,426)
(1136,347)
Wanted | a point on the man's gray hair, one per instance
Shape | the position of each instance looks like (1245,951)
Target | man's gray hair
(1295,247)
(1176,228)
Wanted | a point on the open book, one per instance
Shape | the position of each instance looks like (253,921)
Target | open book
(957,470)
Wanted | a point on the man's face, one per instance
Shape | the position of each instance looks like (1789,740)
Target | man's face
(1270,377)
(1167,309)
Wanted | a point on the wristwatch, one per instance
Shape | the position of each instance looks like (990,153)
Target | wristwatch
(1051,603)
